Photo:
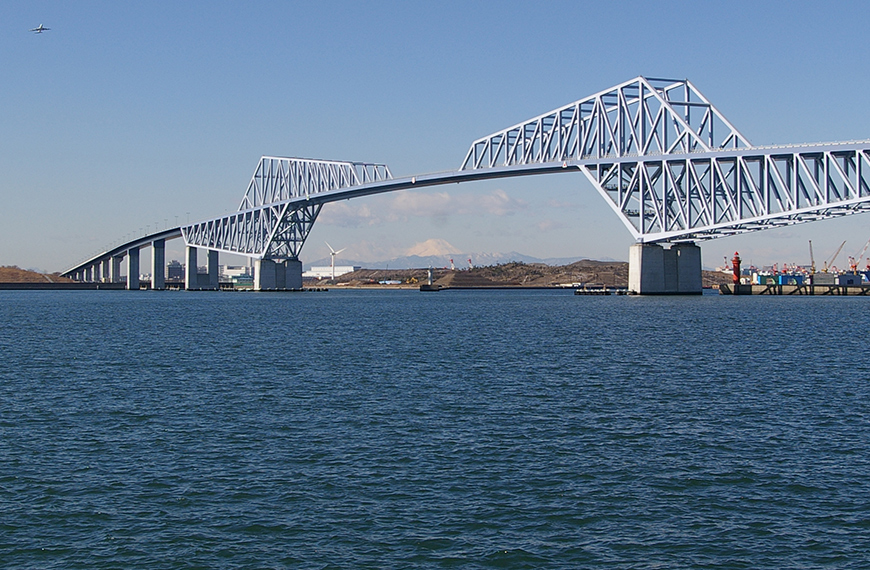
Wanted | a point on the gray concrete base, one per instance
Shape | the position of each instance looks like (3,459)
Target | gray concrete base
(193,280)
(276,276)
(115,269)
(654,270)
(158,264)
(209,281)
(133,269)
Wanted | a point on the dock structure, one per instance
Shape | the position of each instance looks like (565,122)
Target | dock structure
(772,289)
(601,291)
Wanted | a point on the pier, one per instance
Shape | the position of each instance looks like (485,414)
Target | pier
(772,289)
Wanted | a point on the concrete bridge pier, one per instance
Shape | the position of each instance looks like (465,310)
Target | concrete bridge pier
(654,270)
(115,269)
(158,264)
(133,269)
(212,283)
(105,275)
(193,281)
(270,275)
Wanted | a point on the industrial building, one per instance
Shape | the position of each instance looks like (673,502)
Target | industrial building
(327,271)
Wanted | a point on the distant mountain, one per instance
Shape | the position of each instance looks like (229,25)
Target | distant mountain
(460,261)
(432,248)
(439,252)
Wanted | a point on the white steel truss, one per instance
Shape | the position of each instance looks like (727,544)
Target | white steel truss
(640,117)
(269,232)
(277,179)
(271,223)
(708,195)
(675,169)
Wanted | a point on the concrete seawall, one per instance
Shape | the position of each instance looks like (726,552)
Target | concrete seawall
(59,286)
(830,290)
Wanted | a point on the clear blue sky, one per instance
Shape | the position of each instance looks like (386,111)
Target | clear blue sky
(129,114)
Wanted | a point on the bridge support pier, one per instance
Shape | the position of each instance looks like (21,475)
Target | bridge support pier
(105,277)
(115,269)
(193,281)
(133,269)
(158,264)
(212,283)
(277,276)
(654,270)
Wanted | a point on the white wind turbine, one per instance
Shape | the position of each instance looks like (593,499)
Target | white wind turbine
(332,254)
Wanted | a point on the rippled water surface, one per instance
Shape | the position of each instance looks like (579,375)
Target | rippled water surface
(473,429)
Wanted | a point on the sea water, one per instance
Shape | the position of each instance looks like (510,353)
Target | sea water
(459,429)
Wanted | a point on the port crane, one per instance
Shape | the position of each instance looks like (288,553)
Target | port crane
(857,261)
(829,264)
(812,260)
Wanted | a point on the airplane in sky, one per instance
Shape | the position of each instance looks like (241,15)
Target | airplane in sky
(40,29)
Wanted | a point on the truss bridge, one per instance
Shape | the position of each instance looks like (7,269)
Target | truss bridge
(665,160)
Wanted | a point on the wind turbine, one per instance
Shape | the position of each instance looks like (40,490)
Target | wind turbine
(332,254)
